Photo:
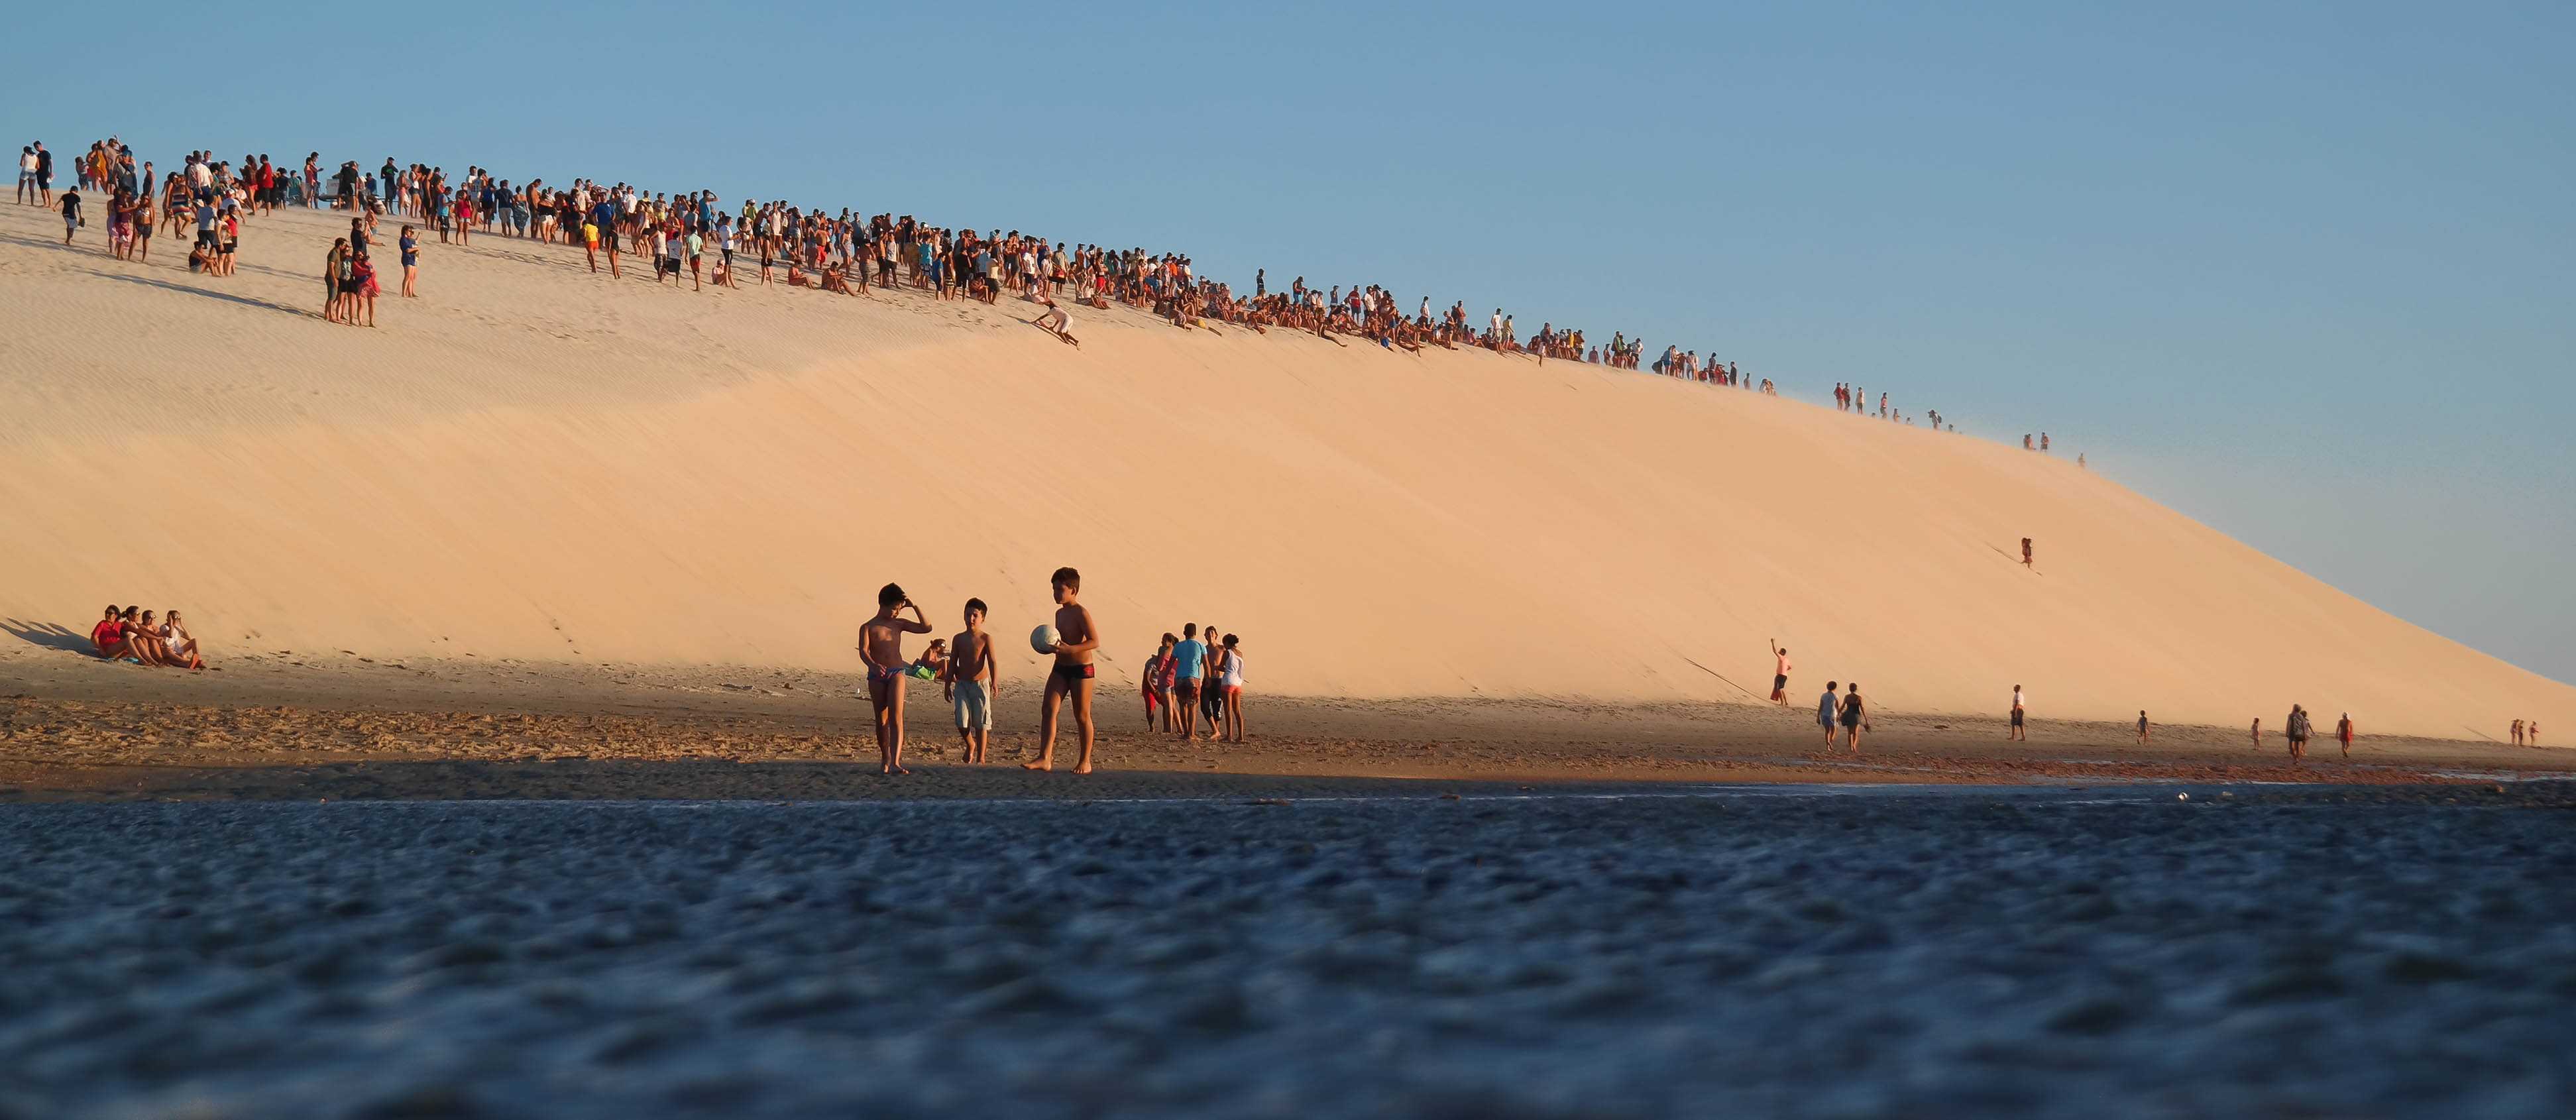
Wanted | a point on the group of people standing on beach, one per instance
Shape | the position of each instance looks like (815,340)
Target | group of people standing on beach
(1187,679)
(1189,682)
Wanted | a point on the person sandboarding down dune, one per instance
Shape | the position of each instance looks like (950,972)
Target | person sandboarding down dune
(1071,677)
(1053,320)
(881,647)
(1779,674)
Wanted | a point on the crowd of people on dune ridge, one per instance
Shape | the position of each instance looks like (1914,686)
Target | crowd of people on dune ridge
(698,236)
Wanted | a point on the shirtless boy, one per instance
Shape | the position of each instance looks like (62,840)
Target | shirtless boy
(1779,675)
(1072,672)
(2142,727)
(975,683)
(881,646)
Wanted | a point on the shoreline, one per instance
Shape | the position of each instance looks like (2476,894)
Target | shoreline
(350,728)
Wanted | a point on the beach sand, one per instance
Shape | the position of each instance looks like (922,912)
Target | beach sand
(1445,564)
(347,728)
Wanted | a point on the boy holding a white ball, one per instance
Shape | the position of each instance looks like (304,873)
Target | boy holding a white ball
(1072,643)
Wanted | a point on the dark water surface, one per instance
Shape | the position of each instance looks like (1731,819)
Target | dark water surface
(1795,953)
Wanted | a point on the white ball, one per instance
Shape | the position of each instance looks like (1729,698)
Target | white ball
(2182,797)
(1043,639)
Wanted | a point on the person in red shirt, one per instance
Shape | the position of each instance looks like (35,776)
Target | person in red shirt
(107,635)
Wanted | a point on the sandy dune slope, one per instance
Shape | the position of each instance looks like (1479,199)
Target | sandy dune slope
(535,463)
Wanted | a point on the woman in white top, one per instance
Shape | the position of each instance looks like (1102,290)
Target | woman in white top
(1231,680)
(174,638)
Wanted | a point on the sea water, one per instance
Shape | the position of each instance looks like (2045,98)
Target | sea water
(1793,953)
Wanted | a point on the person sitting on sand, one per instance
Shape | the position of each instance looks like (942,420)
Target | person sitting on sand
(1855,717)
(881,648)
(107,636)
(176,640)
(1827,707)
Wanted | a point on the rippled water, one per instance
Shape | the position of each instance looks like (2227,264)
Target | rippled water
(1980,954)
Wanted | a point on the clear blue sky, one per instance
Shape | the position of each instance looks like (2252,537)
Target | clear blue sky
(2304,272)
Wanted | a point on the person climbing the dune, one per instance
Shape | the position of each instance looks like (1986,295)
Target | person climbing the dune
(1779,675)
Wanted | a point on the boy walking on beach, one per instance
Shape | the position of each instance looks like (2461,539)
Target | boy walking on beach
(2018,732)
(975,684)
(1826,709)
(1779,675)
(881,647)
(2142,727)
(1071,676)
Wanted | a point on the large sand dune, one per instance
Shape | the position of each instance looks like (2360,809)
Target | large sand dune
(535,463)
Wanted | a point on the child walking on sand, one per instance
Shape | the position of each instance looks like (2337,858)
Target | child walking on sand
(1156,683)
(1076,641)
(975,684)
(881,647)
(2142,727)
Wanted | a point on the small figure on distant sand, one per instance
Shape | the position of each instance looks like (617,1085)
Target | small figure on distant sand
(2025,552)
(1779,674)
(2258,733)
(2531,733)
(2298,732)
(1826,708)
(2018,731)
(1855,717)
(2517,733)
(2343,734)
(2143,734)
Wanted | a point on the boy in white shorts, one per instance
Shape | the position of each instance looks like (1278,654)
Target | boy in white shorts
(975,683)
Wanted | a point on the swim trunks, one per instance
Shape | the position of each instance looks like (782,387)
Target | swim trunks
(2016,717)
(1073,674)
(974,707)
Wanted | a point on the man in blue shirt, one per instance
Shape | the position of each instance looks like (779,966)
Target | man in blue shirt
(1189,672)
